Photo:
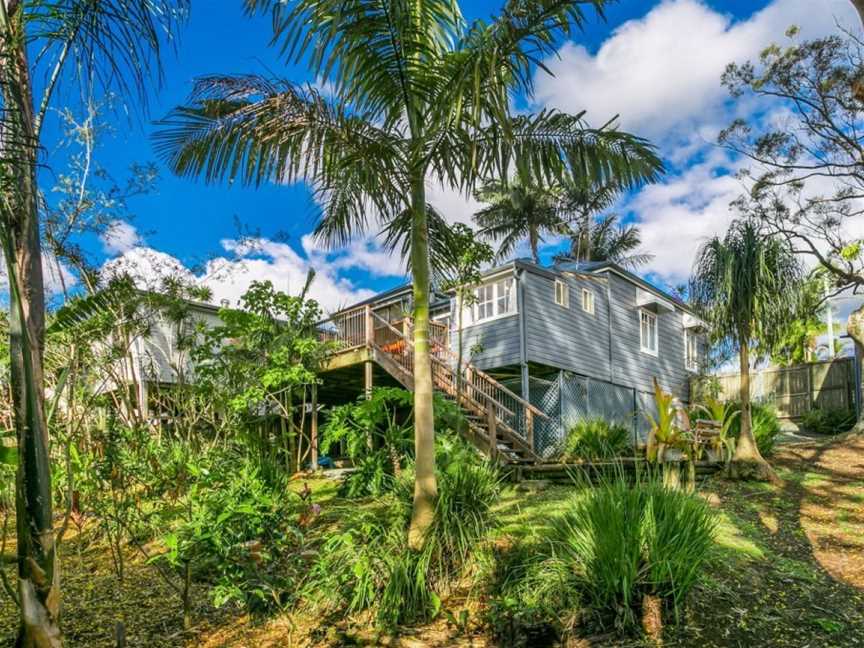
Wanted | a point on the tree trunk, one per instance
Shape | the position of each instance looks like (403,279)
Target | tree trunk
(533,242)
(855,328)
(425,486)
(38,584)
(859,5)
(747,462)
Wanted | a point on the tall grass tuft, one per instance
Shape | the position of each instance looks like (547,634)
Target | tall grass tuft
(595,439)
(627,540)
(369,566)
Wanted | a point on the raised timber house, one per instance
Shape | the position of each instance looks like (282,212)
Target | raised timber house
(542,348)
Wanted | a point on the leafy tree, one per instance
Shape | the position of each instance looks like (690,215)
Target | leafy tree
(517,210)
(806,176)
(747,287)
(419,95)
(263,360)
(114,45)
(798,342)
(466,257)
(607,240)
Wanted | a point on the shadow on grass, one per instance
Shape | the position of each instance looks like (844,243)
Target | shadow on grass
(776,580)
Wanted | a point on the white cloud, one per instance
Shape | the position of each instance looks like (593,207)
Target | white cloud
(55,276)
(119,237)
(230,275)
(663,70)
(677,216)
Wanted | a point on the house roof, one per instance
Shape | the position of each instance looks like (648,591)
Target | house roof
(553,271)
(392,293)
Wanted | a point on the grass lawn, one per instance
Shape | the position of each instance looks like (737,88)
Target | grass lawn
(788,571)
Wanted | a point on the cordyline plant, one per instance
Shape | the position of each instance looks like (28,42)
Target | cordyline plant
(415,94)
(106,46)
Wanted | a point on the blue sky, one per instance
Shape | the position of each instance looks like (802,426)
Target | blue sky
(656,64)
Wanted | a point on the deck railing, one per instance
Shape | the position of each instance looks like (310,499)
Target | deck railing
(363,326)
(347,329)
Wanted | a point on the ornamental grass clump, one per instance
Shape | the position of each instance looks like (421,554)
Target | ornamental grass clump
(596,438)
(369,568)
(629,541)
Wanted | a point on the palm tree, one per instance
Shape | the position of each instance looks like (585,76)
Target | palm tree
(747,287)
(418,96)
(607,240)
(517,210)
(109,46)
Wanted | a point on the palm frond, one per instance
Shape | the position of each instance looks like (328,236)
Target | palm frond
(495,59)
(747,285)
(397,239)
(546,148)
(605,239)
(117,44)
(254,130)
(381,55)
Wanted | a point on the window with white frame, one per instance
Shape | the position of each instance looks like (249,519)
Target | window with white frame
(587,301)
(562,294)
(648,331)
(691,350)
(493,300)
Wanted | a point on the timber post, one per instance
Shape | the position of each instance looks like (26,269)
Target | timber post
(529,428)
(492,425)
(370,341)
(313,433)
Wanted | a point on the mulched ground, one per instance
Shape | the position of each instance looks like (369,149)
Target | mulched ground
(794,575)
(789,572)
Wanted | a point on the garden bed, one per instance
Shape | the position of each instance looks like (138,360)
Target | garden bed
(789,571)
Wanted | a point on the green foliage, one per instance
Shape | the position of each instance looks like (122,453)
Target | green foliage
(369,565)
(515,210)
(614,543)
(533,597)
(233,529)
(260,364)
(378,436)
(828,421)
(766,426)
(748,286)
(605,238)
(724,413)
(798,341)
(596,438)
(665,430)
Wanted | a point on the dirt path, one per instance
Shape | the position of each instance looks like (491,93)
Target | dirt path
(796,577)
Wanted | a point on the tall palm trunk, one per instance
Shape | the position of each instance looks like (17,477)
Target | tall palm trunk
(425,486)
(533,238)
(747,462)
(38,587)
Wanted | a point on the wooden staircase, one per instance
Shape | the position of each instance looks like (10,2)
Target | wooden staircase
(499,422)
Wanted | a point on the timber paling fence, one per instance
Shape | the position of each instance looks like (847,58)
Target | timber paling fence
(798,389)
(567,398)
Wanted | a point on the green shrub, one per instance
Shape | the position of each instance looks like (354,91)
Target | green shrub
(596,438)
(377,434)
(766,426)
(828,421)
(234,531)
(533,598)
(628,540)
(369,567)
(615,543)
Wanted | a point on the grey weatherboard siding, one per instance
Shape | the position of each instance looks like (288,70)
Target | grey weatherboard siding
(579,342)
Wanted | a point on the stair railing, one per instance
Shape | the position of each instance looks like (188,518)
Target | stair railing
(511,409)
